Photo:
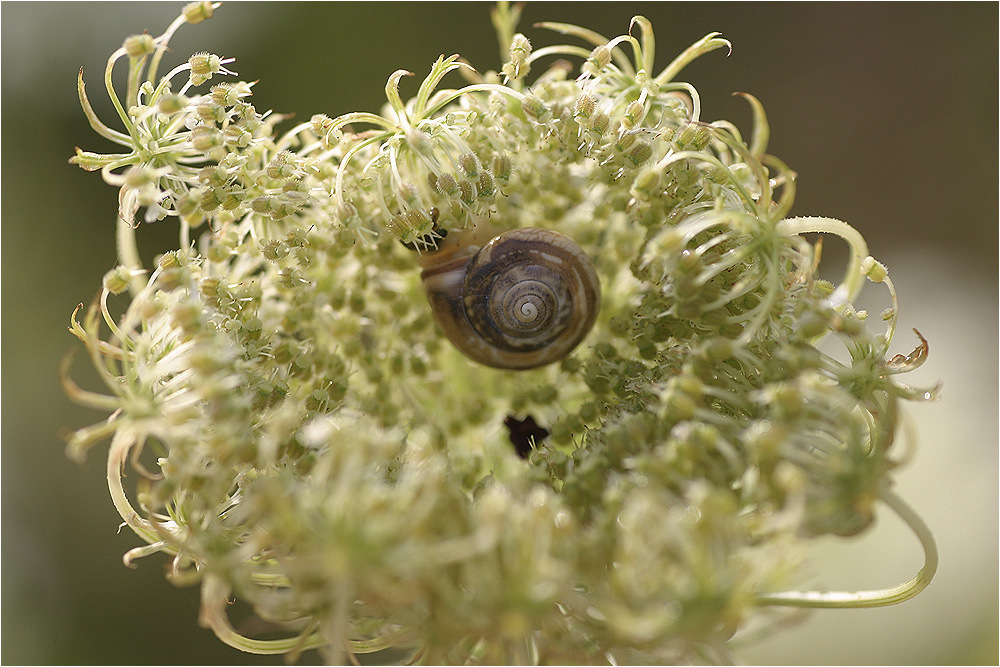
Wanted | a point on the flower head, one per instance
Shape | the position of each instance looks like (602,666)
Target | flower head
(321,451)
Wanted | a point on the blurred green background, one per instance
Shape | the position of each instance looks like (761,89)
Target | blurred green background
(888,112)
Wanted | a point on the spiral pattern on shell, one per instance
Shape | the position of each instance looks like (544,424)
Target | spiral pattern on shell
(525,299)
(529,288)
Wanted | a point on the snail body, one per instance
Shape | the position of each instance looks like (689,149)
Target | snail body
(523,299)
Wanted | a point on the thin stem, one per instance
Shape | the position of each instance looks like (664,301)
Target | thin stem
(339,189)
(505,19)
(761,129)
(594,38)
(709,42)
(671,158)
(141,552)
(134,82)
(114,96)
(559,50)
(740,149)
(853,277)
(785,179)
(438,72)
(471,88)
(395,101)
(161,44)
(646,55)
(95,122)
(120,444)
(185,234)
(214,594)
(692,94)
(364,117)
(128,254)
(882,597)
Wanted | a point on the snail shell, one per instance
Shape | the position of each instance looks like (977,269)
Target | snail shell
(524,299)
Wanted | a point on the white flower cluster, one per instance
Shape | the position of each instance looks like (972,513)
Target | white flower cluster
(324,455)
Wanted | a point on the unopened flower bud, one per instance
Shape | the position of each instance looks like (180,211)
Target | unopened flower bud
(584,106)
(116,280)
(599,58)
(196,12)
(203,66)
(138,46)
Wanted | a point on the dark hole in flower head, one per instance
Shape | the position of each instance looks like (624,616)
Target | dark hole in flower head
(524,434)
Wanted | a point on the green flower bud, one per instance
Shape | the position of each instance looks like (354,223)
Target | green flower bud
(599,58)
(139,46)
(203,67)
(196,12)
(584,107)
(206,138)
(117,280)
(469,165)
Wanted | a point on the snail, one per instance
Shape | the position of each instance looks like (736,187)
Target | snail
(521,300)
